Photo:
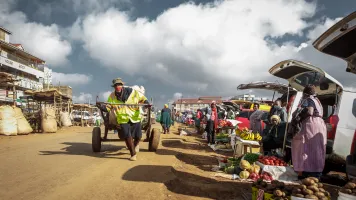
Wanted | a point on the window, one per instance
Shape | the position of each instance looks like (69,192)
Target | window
(354,108)
(2,35)
(314,78)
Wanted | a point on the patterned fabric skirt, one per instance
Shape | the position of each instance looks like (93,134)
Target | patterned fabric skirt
(309,146)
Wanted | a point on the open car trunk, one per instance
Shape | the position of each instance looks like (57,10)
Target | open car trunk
(300,74)
(340,41)
(274,86)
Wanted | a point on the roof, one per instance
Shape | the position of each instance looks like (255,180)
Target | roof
(7,31)
(18,46)
(18,50)
(196,101)
(46,95)
(210,97)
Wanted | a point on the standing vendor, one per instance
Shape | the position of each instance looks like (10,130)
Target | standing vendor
(128,117)
(255,119)
(212,122)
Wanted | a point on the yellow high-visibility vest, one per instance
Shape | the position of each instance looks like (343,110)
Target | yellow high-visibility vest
(124,114)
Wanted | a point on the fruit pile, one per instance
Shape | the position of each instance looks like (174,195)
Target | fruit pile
(310,189)
(264,176)
(247,135)
(225,123)
(349,188)
(271,160)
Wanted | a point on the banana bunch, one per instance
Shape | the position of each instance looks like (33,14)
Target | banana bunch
(250,136)
(258,137)
(247,136)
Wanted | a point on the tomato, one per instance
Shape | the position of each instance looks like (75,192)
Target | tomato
(260,156)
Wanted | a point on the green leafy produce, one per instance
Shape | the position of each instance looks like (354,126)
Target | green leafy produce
(251,157)
(233,161)
(230,170)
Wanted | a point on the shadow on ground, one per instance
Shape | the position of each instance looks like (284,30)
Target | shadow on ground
(188,184)
(85,149)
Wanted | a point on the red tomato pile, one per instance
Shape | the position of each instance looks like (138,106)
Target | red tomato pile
(271,160)
(225,123)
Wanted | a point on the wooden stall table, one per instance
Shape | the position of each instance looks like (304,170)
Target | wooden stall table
(241,146)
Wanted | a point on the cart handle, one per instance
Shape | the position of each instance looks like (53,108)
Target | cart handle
(123,104)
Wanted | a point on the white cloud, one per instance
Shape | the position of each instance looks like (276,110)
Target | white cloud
(209,47)
(38,39)
(70,79)
(104,95)
(83,98)
(177,96)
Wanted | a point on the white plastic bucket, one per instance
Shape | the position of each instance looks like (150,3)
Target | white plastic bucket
(297,198)
(343,196)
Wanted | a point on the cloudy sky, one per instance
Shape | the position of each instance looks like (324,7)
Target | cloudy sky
(172,47)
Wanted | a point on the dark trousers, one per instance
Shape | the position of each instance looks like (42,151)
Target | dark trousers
(210,129)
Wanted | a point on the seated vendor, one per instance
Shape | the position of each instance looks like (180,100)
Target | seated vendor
(273,135)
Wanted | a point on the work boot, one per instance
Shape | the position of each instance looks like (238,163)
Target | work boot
(137,148)
(133,158)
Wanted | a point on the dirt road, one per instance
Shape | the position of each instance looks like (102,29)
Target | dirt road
(63,166)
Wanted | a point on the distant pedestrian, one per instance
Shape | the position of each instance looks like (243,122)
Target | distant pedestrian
(166,120)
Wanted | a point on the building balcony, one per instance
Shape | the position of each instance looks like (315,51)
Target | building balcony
(28,84)
(18,63)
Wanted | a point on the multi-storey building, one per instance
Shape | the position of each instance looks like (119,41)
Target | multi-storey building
(185,104)
(23,66)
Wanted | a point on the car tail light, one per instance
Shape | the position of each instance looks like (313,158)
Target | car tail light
(353,148)
(331,125)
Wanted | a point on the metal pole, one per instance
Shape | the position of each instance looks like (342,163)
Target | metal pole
(285,132)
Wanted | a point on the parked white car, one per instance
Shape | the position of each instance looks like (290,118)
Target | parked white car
(340,41)
(339,118)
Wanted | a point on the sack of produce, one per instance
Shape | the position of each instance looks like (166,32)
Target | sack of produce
(6,112)
(49,123)
(65,119)
(23,127)
(8,122)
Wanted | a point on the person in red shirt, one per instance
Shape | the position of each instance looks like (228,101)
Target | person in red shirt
(212,123)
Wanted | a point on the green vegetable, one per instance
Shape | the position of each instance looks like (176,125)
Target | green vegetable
(251,157)
(230,170)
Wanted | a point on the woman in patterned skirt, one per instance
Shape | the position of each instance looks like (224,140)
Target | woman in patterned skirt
(309,145)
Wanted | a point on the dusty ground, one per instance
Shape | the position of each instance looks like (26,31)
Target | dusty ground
(63,166)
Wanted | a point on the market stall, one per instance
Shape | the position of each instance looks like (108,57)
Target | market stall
(46,103)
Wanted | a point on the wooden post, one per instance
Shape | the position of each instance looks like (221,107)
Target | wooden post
(14,93)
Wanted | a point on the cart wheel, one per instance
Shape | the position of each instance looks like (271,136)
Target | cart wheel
(96,139)
(154,140)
